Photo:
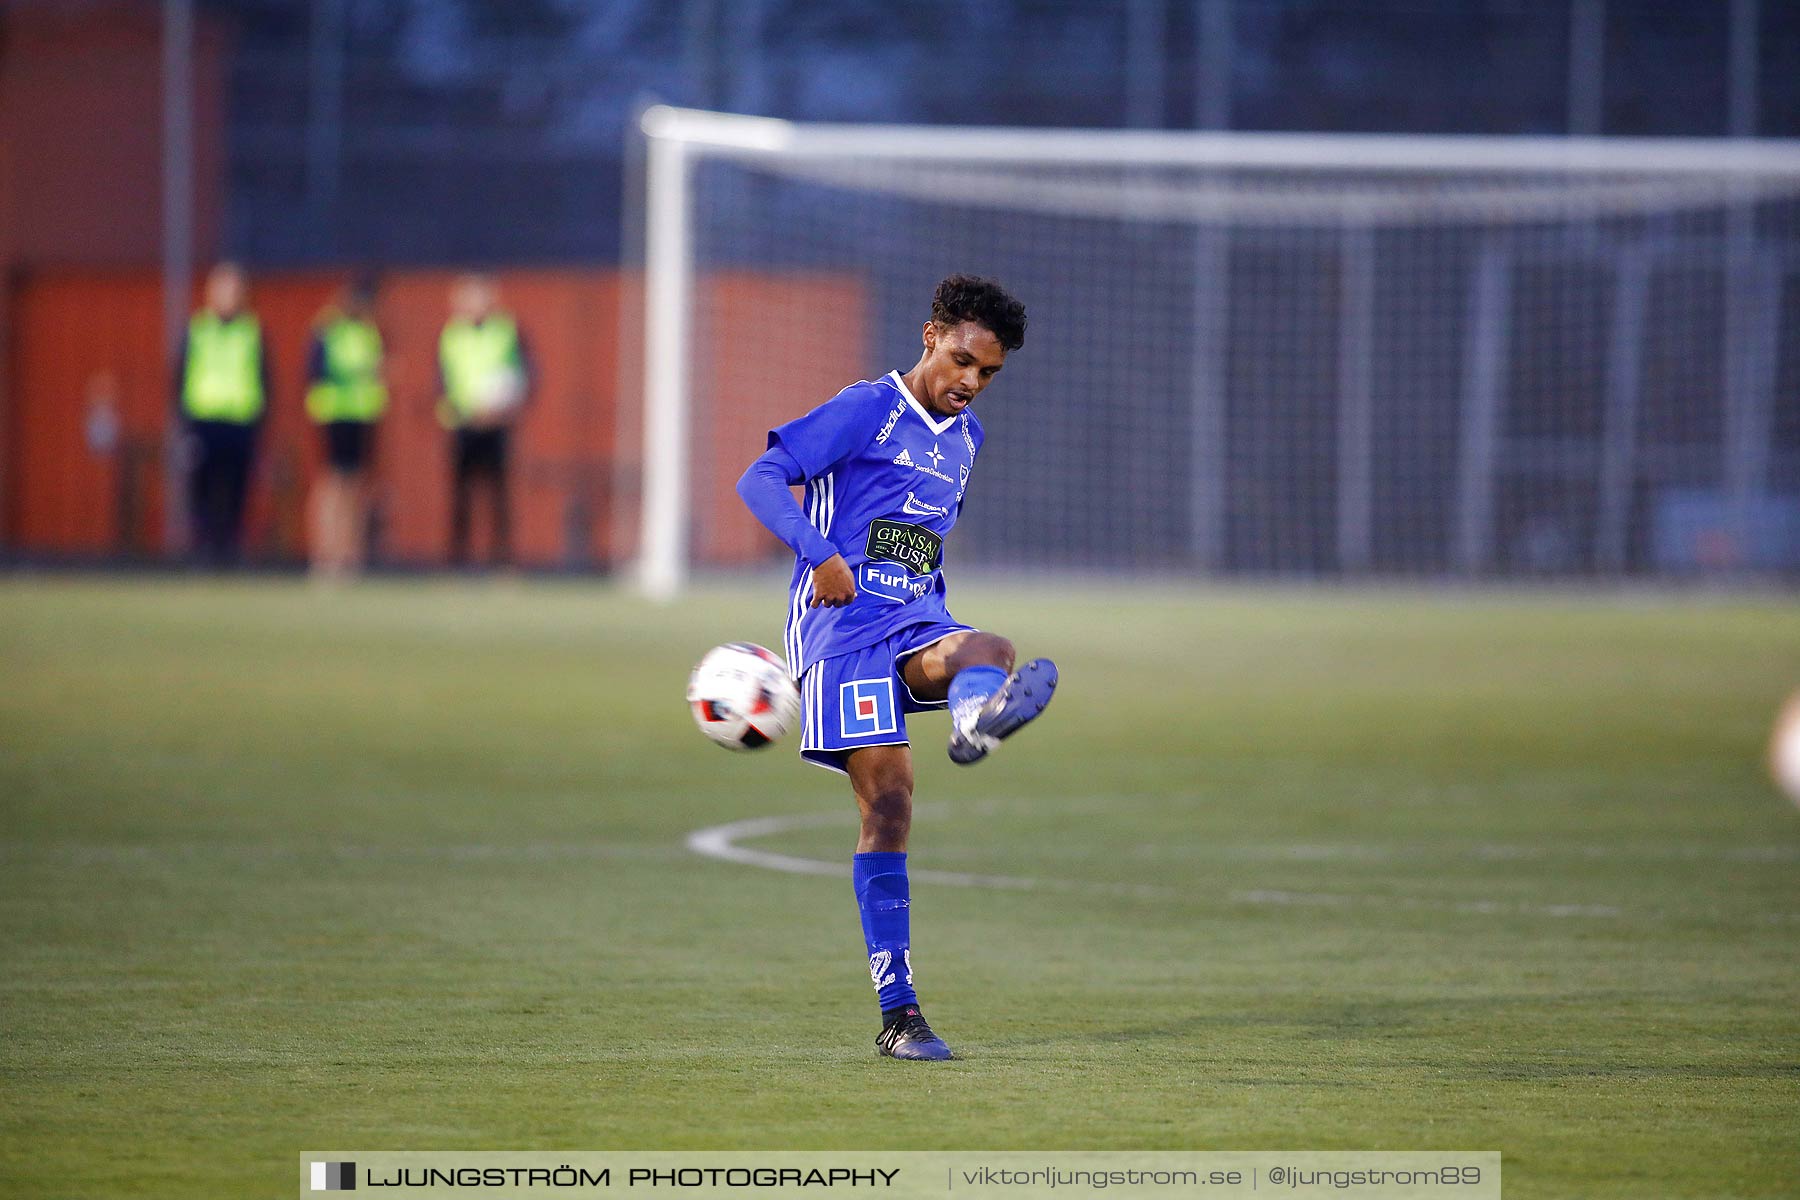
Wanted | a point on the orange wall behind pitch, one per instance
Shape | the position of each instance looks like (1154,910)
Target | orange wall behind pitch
(574,464)
(68,334)
(773,347)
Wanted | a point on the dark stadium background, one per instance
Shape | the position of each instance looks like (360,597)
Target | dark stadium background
(421,136)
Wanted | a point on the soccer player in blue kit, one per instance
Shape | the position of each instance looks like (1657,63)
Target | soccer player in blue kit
(869,638)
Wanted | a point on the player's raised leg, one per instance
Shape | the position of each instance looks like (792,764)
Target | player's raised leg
(989,701)
(882,778)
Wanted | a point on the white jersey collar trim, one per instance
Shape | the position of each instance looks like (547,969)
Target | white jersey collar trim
(937,427)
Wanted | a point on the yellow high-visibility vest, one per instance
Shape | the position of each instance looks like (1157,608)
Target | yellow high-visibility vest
(352,389)
(472,358)
(223,380)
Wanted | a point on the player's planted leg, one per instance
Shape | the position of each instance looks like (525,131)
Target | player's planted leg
(882,779)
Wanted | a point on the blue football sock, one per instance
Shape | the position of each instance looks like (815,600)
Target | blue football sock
(884,900)
(973,685)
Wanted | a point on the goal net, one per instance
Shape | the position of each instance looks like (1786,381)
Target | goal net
(1249,354)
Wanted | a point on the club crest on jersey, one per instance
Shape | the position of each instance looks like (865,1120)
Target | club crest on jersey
(866,707)
(962,484)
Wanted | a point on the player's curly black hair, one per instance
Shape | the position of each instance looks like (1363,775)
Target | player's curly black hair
(971,298)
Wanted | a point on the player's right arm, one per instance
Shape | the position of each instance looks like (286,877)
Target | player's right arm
(764,488)
(807,448)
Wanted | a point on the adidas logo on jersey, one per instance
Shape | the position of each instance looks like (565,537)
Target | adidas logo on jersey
(905,459)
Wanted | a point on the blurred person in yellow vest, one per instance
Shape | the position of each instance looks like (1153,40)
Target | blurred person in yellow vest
(345,396)
(484,381)
(221,392)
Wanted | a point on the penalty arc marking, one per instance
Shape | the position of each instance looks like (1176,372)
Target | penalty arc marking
(720,842)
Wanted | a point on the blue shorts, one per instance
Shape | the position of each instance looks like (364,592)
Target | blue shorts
(860,698)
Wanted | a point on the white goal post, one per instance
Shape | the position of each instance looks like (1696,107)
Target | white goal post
(1347,354)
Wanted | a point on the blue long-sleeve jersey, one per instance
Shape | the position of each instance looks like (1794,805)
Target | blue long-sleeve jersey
(885,480)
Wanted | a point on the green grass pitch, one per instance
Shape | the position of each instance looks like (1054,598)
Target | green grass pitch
(404,867)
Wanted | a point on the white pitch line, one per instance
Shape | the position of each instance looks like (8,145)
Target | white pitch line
(721,842)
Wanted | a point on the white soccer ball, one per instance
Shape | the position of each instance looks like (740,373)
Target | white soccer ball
(1784,749)
(742,697)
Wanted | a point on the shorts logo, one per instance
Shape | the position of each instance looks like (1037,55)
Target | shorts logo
(866,707)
